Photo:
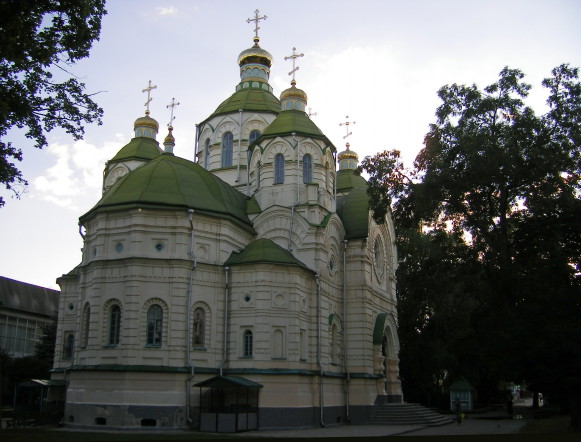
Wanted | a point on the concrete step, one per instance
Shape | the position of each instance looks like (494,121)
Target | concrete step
(407,414)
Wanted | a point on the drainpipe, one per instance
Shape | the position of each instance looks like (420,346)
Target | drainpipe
(192,256)
(345,365)
(239,145)
(196,142)
(321,399)
(226,300)
(298,167)
(298,197)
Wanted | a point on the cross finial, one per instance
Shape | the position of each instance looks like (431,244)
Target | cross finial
(346,124)
(310,114)
(256,19)
(293,57)
(148,89)
(172,105)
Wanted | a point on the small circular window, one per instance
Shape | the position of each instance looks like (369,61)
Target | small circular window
(159,247)
(119,247)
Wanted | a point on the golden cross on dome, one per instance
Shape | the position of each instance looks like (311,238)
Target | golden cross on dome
(294,56)
(256,19)
(148,89)
(172,105)
(346,124)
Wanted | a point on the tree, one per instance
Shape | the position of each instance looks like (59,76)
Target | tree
(494,197)
(39,41)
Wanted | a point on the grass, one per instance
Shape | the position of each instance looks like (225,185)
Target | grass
(57,435)
(547,425)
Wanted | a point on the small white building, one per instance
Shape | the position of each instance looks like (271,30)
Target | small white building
(248,289)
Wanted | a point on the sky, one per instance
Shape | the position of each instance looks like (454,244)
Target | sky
(378,62)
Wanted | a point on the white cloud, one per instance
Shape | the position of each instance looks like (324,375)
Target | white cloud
(77,172)
(167,10)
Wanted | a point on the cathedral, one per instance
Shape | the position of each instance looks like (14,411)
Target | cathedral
(248,288)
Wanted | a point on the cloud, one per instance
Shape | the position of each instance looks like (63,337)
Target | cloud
(167,10)
(77,172)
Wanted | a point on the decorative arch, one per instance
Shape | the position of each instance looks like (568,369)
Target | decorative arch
(201,325)
(386,327)
(85,324)
(154,325)
(335,338)
(112,317)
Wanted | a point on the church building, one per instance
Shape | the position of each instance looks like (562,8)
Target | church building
(246,288)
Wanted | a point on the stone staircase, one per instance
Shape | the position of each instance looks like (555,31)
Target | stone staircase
(407,414)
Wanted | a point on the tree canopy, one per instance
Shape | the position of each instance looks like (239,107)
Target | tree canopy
(488,225)
(39,41)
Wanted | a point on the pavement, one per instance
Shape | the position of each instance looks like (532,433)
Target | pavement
(485,423)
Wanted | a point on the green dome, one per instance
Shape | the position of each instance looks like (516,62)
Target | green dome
(348,179)
(264,251)
(172,182)
(294,121)
(248,99)
(353,208)
(139,148)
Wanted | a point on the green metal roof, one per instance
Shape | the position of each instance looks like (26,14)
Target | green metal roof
(461,385)
(249,99)
(294,121)
(353,209)
(379,327)
(172,182)
(348,179)
(264,251)
(228,382)
(141,148)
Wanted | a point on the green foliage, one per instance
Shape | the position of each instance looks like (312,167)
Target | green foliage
(488,228)
(39,38)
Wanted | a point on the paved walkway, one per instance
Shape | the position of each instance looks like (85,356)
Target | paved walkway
(491,422)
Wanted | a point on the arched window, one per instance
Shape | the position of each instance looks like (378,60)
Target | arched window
(278,168)
(303,345)
(307,169)
(69,346)
(227,143)
(334,344)
(154,325)
(85,326)
(278,344)
(206,153)
(254,135)
(258,165)
(199,327)
(114,324)
(247,343)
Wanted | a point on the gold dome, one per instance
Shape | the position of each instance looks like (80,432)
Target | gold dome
(293,92)
(170,138)
(346,154)
(255,54)
(146,121)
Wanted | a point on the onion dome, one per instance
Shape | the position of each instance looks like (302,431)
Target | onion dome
(169,183)
(293,98)
(255,65)
(146,126)
(255,54)
(348,159)
(169,142)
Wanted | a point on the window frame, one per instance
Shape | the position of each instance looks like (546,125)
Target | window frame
(307,168)
(279,168)
(114,325)
(247,344)
(154,326)
(227,149)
